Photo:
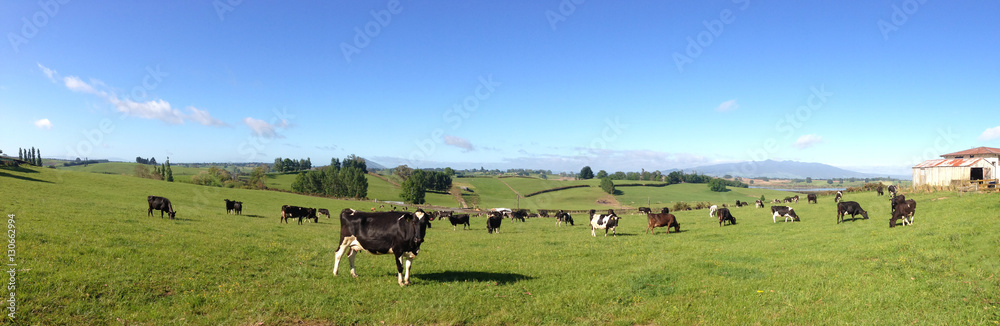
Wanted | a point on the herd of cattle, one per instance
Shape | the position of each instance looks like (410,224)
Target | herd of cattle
(401,233)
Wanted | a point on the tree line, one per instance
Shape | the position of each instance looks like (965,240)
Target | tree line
(417,182)
(290,165)
(345,179)
(32,156)
(162,172)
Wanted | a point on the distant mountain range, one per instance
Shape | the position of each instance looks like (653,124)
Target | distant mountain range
(785,170)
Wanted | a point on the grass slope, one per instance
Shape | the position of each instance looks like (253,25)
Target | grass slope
(88,254)
(693,192)
(181,174)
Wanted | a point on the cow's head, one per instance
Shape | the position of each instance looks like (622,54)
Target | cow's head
(422,221)
(172,214)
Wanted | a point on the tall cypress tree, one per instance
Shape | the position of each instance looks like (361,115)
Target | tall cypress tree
(32,158)
(20,153)
(170,172)
(39,152)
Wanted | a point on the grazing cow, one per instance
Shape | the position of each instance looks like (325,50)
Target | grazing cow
(776,201)
(457,219)
(725,215)
(162,204)
(518,215)
(394,233)
(796,199)
(811,198)
(900,212)
(230,205)
(644,210)
(238,208)
(663,219)
(840,196)
(493,220)
(913,208)
(324,211)
(543,212)
(849,207)
(664,210)
(289,212)
(713,210)
(605,222)
(787,200)
(784,211)
(759,203)
(892,190)
(896,200)
(879,190)
(563,217)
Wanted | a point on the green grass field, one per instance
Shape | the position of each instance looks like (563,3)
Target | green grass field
(181,174)
(88,254)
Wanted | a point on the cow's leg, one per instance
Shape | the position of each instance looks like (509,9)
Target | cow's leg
(593,231)
(399,269)
(336,259)
(350,259)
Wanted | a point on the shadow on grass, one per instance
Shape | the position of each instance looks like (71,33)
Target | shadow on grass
(254,215)
(8,175)
(457,276)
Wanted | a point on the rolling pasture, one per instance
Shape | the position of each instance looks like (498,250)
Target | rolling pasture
(88,254)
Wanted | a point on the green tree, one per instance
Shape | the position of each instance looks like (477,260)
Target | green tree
(278,165)
(257,178)
(809,180)
(602,174)
(762,198)
(39,160)
(717,185)
(170,172)
(403,172)
(586,173)
(412,190)
(451,172)
(829,181)
(607,185)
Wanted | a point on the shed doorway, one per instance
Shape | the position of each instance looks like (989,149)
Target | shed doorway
(977,174)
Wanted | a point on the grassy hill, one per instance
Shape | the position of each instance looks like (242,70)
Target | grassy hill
(88,254)
(181,174)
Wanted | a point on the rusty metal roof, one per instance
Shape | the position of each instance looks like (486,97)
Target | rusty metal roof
(975,151)
(949,163)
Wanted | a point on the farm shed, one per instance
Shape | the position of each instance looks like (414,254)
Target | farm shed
(959,168)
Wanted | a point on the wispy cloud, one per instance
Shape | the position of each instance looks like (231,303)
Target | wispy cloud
(43,124)
(328,148)
(459,142)
(990,134)
(52,74)
(264,129)
(727,106)
(807,141)
(156,109)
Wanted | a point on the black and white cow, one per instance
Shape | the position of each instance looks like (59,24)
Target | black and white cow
(849,207)
(493,220)
(397,233)
(324,211)
(759,203)
(892,190)
(895,201)
(162,204)
(563,217)
(839,197)
(726,216)
(644,210)
(605,222)
(518,215)
(290,212)
(901,212)
(784,211)
(457,219)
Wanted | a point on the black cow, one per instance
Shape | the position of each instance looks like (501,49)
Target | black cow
(840,196)
(230,205)
(382,233)
(324,211)
(644,210)
(160,203)
(563,217)
(896,200)
(892,190)
(900,212)
(811,198)
(725,216)
(493,220)
(457,219)
(784,211)
(879,190)
(289,212)
(238,208)
(604,221)
(849,207)
(913,208)
(518,215)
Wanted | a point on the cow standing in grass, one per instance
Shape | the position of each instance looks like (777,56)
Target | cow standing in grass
(811,198)
(162,204)
(399,234)
(849,207)
(712,211)
(726,216)
(457,219)
(563,217)
(493,220)
(605,222)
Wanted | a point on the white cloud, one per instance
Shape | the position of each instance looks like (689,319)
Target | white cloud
(990,134)
(157,109)
(262,128)
(459,142)
(807,141)
(202,117)
(43,124)
(52,74)
(727,106)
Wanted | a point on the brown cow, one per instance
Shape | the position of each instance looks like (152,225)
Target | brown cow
(662,220)
(725,216)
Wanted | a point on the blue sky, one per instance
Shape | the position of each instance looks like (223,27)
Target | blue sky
(874,86)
